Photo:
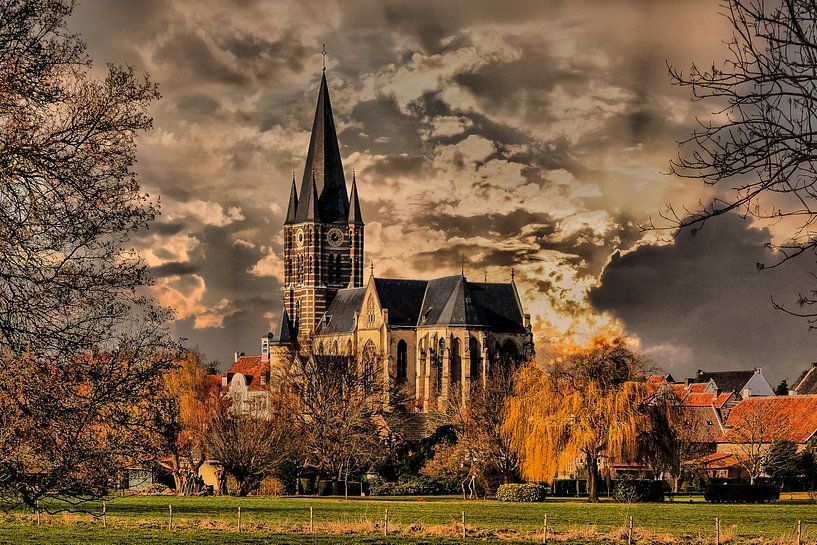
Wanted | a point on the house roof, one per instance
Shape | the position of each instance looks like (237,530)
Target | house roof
(807,381)
(716,460)
(778,418)
(726,380)
(253,369)
(699,399)
(700,424)
(698,388)
(722,398)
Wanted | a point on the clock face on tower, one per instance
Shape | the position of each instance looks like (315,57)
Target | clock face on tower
(334,237)
(299,238)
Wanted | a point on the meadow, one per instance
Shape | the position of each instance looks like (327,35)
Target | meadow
(427,520)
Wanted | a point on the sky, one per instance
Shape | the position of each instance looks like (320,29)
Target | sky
(524,135)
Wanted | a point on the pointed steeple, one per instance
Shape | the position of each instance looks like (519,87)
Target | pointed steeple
(293,203)
(323,158)
(309,207)
(355,217)
(285,333)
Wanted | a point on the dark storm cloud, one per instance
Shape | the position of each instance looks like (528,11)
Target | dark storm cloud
(439,260)
(195,60)
(520,87)
(173,268)
(702,303)
(384,129)
(398,165)
(499,225)
(197,105)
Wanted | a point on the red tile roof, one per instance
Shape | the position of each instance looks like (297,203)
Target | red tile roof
(721,400)
(252,368)
(779,418)
(698,387)
(716,460)
(699,399)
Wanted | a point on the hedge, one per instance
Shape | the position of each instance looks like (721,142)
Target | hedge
(417,486)
(638,490)
(526,492)
(742,493)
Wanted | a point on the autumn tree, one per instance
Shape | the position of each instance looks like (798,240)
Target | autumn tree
(580,408)
(82,355)
(192,395)
(758,147)
(338,411)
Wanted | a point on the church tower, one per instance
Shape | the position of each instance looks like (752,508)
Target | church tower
(323,231)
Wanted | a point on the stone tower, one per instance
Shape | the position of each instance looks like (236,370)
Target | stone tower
(323,231)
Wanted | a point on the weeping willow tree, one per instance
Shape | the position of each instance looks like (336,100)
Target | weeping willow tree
(582,407)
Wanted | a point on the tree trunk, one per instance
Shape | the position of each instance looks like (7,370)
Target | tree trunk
(592,479)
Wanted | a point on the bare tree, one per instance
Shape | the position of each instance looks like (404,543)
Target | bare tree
(249,447)
(81,354)
(760,145)
(753,428)
(338,409)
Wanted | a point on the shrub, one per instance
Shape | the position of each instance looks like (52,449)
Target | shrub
(742,493)
(638,490)
(412,486)
(271,486)
(526,492)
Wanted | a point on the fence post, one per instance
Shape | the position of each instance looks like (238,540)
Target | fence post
(386,522)
(799,533)
(717,531)
(545,531)
(310,520)
(104,514)
(239,519)
(630,530)
(170,520)
(463,525)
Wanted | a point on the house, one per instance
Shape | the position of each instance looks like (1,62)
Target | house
(746,383)
(757,422)
(720,465)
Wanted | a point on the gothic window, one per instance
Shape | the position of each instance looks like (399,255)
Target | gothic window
(368,363)
(402,361)
(370,311)
(473,348)
(334,348)
(455,361)
(440,352)
(349,347)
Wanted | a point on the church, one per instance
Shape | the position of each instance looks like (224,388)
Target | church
(434,337)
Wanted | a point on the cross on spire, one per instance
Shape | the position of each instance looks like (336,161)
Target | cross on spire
(371,267)
(462,265)
(323,57)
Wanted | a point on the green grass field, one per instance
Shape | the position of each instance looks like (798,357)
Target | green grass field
(139,519)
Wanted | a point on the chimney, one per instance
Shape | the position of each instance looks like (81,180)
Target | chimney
(237,355)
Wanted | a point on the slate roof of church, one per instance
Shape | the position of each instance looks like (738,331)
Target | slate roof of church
(342,311)
(450,300)
(327,194)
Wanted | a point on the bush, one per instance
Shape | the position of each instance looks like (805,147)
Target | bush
(526,492)
(638,490)
(742,493)
(271,486)
(412,486)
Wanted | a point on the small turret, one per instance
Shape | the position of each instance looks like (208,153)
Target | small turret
(292,209)
(355,217)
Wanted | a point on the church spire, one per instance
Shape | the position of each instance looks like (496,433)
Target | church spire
(293,203)
(309,206)
(355,217)
(323,159)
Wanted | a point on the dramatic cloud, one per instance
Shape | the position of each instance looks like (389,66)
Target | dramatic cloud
(702,302)
(528,135)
